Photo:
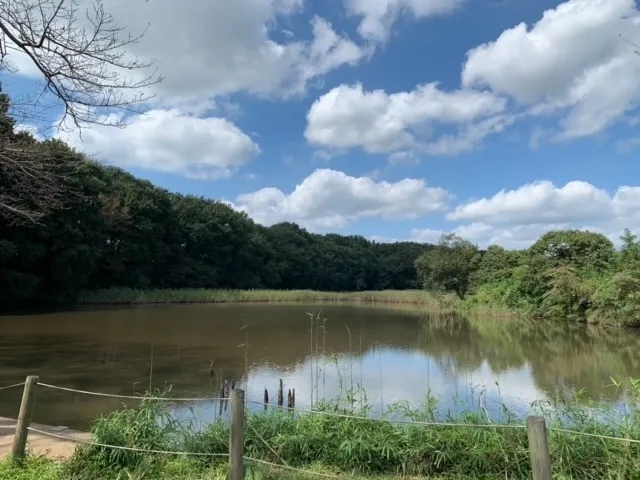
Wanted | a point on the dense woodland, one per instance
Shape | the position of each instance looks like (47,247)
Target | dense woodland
(111,229)
(70,224)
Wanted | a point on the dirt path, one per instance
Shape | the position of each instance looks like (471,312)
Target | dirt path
(39,444)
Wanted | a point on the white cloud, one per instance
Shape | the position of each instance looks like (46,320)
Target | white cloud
(517,218)
(348,117)
(540,202)
(483,234)
(225,47)
(328,199)
(378,16)
(572,61)
(208,48)
(170,141)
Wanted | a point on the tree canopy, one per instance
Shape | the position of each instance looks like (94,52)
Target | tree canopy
(114,230)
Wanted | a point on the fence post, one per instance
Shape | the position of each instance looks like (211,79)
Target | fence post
(539,448)
(24,418)
(236,439)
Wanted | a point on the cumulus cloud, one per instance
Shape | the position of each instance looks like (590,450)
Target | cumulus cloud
(329,199)
(209,48)
(543,202)
(378,16)
(378,122)
(567,62)
(483,234)
(517,218)
(226,47)
(170,141)
(540,202)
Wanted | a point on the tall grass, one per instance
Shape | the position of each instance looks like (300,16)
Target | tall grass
(364,447)
(123,296)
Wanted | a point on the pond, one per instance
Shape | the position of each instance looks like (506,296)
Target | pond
(394,354)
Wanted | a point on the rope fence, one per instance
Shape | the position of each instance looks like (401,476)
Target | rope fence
(12,386)
(170,452)
(596,435)
(319,412)
(537,430)
(132,397)
(120,447)
(392,420)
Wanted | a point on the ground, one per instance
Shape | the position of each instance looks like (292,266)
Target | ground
(39,444)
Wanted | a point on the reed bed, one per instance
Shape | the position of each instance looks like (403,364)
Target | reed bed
(122,296)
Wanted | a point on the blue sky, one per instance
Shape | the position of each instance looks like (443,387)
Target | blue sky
(393,119)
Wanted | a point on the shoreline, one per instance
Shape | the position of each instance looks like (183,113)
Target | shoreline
(412,299)
(124,296)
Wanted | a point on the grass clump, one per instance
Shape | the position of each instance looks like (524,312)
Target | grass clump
(362,447)
(33,468)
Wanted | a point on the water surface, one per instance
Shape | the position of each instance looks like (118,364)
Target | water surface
(395,355)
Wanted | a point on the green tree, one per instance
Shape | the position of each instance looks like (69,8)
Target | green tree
(449,266)
(574,248)
(495,265)
(630,251)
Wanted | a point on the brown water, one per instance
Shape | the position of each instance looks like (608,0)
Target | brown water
(396,355)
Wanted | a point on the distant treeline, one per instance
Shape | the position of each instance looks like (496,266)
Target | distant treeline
(111,229)
(68,224)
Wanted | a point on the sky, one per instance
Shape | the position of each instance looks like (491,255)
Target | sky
(497,120)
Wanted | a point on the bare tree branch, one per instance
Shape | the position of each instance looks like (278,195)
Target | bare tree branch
(82,57)
(33,182)
(85,61)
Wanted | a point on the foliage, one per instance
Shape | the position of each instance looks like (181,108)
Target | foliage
(571,275)
(108,237)
(34,468)
(116,231)
(449,266)
(118,296)
(366,447)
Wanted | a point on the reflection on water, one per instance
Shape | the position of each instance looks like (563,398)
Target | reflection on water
(395,355)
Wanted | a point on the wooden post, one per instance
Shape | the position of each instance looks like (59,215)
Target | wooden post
(236,438)
(539,448)
(24,418)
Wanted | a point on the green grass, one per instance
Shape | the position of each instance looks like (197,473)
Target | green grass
(131,296)
(356,447)
(34,468)
(410,299)
(40,468)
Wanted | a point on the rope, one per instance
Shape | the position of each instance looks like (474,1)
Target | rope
(586,434)
(12,386)
(133,397)
(268,446)
(308,472)
(118,447)
(406,422)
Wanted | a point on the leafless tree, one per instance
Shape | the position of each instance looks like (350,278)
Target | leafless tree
(84,60)
(32,182)
(82,56)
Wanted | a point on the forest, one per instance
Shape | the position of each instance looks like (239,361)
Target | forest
(71,224)
(90,226)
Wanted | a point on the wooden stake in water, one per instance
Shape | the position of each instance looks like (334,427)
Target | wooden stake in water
(236,439)
(24,418)
(280,395)
(266,398)
(539,448)
(151,371)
